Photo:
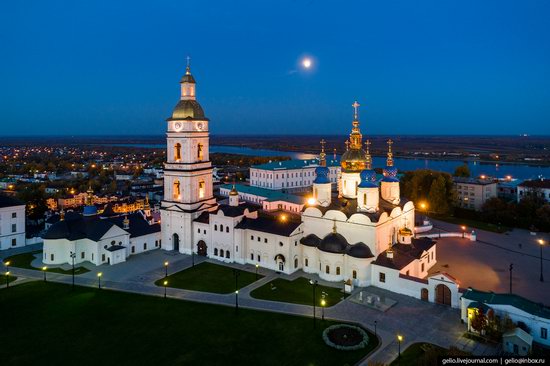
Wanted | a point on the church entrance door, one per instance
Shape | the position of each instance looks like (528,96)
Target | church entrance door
(201,248)
(424,294)
(176,242)
(442,295)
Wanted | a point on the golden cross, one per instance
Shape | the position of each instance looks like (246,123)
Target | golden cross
(188,70)
(323,142)
(347,145)
(355,106)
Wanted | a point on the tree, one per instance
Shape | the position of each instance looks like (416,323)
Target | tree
(462,171)
(478,321)
(438,196)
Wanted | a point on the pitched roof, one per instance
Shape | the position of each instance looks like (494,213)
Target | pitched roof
(349,207)
(521,334)
(138,225)
(204,217)
(75,227)
(295,164)
(268,194)
(516,301)
(537,183)
(235,211)
(269,225)
(404,254)
(7,201)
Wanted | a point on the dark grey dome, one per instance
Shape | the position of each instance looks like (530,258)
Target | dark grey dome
(188,109)
(359,250)
(310,240)
(333,243)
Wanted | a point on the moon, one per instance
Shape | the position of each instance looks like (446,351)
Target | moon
(306,62)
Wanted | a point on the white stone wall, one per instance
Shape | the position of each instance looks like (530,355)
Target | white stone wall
(9,237)
(288,178)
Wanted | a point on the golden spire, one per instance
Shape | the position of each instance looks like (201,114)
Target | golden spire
(147,201)
(389,160)
(89,198)
(355,137)
(369,158)
(188,68)
(322,156)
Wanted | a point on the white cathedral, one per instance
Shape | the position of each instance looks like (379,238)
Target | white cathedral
(360,231)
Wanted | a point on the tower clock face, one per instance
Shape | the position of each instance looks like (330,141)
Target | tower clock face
(178,126)
(200,126)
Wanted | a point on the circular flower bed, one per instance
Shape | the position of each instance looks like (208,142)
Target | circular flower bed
(345,337)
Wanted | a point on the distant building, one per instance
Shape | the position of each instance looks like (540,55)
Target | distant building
(534,316)
(507,189)
(473,192)
(517,341)
(270,200)
(290,173)
(539,187)
(12,223)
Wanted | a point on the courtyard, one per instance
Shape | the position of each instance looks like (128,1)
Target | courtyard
(485,264)
(124,328)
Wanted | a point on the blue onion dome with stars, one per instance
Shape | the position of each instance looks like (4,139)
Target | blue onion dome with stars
(390,171)
(368,179)
(322,171)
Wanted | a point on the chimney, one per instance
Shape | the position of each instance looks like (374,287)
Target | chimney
(389,253)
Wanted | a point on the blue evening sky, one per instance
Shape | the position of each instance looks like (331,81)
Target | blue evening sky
(417,67)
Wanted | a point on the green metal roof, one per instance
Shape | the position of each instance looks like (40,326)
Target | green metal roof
(269,194)
(295,164)
(490,298)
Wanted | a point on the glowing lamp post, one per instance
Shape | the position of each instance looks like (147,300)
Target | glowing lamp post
(541,243)
(323,304)
(314,284)
(7,279)
(237,273)
(99,280)
(44,269)
(165,269)
(257,266)
(165,283)
(463,230)
(399,340)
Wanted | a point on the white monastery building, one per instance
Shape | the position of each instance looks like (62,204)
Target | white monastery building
(12,223)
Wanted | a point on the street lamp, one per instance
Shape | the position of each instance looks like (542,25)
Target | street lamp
(7,264)
(375,323)
(237,273)
(257,266)
(541,243)
(165,283)
(99,280)
(314,284)
(399,340)
(166,269)
(44,270)
(323,303)
(7,279)
(73,256)
(463,230)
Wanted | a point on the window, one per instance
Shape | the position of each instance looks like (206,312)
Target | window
(215,251)
(422,268)
(259,258)
(306,262)
(280,243)
(544,333)
(221,253)
(176,190)
(51,257)
(227,229)
(13,242)
(201,189)
(144,246)
(177,151)
(295,243)
(382,277)
(133,249)
(113,242)
(81,255)
(327,269)
(204,231)
(251,256)
(199,152)
(265,240)
(259,238)
(354,274)
(295,262)
(215,227)
(227,254)
(13,228)
(13,215)
(102,257)
(221,228)
(199,230)
(337,271)
(236,248)
(251,237)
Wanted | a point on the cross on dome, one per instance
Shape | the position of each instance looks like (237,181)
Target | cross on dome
(356,106)
(188,69)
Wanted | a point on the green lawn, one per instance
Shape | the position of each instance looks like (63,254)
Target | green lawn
(208,277)
(24,261)
(426,354)
(48,324)
(3,279)
(299,291)
(473,224)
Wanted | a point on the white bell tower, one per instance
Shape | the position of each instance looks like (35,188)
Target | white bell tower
(187,171)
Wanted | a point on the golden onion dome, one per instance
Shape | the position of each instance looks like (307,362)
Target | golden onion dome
(354,161)
(188,109)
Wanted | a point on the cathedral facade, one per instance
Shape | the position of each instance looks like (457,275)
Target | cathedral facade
(357,230)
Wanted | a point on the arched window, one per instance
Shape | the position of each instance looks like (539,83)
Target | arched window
(176,189)
(221,228)
(215,251)
(337,271)
(227,229)
(199,152)
(295,262)
(201,189)
(306,262)
(215,227)
(177,151)
(354,274)
(327,269)
(227,254)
